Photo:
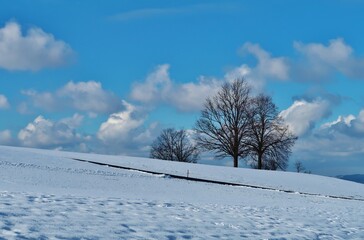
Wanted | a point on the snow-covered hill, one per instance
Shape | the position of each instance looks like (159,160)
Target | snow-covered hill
(359,178)
(48,194)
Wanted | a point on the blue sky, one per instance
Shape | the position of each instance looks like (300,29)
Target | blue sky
(107,76)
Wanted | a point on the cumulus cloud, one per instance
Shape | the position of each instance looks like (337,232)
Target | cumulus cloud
(87,97)
(33,51)
(334,145)
(46,133)
(349,125)
(119,125)
(124,132)
(315,62)
(323,61)
(73,122)
(267,66)
(191,96)
(159,88)
(302,115)
(155,87)
(3,102)
(250,75)
(358,122)
(44,100)
(330,155)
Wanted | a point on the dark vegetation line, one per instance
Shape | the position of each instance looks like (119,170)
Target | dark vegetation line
(217,182)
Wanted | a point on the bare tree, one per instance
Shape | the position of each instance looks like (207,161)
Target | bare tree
(299,166)
(223,124)
(270,140)
(174,145)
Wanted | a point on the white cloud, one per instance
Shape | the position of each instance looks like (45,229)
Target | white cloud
(319,62)
(334,54)
(33,51)
(267,66)
(192,96)
(124,133)
(5,137)
(246,72)
(322,61)
(302,115)
(87,97)
(49,134)
(348,125)
(155,87)
(334,145)
(329,153)
(44,100)
(358,123)
(147,135)
(341,120)
(3,102)
(73,122)
(159,88)
(238,72)
(119,125)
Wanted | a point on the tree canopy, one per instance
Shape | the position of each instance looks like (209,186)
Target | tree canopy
(235,124)
(174,145)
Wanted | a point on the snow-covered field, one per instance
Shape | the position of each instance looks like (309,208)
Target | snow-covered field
(46,194)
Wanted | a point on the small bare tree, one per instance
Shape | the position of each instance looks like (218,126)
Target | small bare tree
(299,166)
(270,140)
(174,145)
(223,124)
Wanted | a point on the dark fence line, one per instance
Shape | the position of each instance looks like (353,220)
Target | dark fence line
(217,182)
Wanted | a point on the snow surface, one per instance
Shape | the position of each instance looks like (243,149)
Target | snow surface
(45,194)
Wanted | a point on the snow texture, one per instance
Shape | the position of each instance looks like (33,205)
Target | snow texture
(47,195)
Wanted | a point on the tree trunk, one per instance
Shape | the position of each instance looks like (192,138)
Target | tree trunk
(260,161)
(236,159)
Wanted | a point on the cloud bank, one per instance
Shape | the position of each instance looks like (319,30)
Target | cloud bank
(125,132)
(321,62)
(158,88)
(33,51)
(46,133)
(334,146)
(302,115)
(268,67)
(88,97)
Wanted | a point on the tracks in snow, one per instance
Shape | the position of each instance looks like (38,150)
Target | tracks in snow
(218,182)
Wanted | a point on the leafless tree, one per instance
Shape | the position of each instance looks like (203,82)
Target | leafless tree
(174,145)
(223,124)
(299,166)
(270,140)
